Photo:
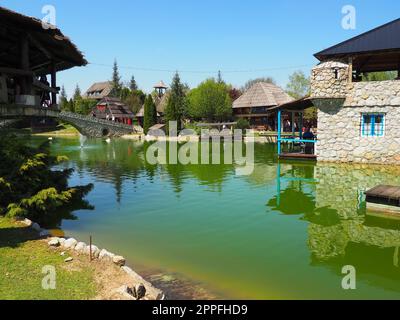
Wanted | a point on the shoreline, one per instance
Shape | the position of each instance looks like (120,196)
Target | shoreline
(99,256)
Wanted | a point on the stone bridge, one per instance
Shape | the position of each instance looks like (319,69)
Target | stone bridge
(86,125)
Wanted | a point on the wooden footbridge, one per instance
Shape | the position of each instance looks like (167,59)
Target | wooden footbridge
(384,199)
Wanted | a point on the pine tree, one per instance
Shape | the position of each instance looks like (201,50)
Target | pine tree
(116,81)
(77,93)
(63,99)
(150,114)
(133,86)
(176,104)
(219,79)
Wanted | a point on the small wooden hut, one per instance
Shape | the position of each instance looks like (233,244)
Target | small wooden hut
(113,109)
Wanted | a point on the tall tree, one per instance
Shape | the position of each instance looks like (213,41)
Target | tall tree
(77,93)
(219,79)
(210,101)
(116,81)
(176,104)
(299,85)
(150,114)
(132,85)
(63,99)
(251,82)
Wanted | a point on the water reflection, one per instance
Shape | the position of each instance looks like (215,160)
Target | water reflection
(209,218)
(330,198)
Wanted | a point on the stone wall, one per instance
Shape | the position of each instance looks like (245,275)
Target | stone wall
(341,104)
(340,140)
(330,80)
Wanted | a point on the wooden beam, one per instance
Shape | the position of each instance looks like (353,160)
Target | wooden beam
(53,83)
(40,85)
(38,45)
(16,72)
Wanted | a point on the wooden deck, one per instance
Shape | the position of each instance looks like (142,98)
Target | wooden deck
(298,156)
(385,195)
(384,201)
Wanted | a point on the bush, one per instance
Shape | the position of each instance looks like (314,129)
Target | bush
(30,188)
(242,124)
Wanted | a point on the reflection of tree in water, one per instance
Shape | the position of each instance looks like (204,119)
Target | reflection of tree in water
(338,234)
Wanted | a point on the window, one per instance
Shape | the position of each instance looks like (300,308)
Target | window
(372,125)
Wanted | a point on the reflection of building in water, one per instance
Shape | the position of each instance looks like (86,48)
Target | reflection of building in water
(341,187)
(328,197)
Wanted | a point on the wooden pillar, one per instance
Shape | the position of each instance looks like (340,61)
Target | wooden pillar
(26,84)
(350,70)
(53,84)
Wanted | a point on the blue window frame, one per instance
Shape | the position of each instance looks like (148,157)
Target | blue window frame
(372,125)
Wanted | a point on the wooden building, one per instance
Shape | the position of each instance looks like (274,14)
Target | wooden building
(255,104)
(99,91)
(113,109)
(30,51)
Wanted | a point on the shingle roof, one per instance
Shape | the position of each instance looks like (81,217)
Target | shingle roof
(262,94)
(383,38)
(160,84)
(99,90)
(115,108)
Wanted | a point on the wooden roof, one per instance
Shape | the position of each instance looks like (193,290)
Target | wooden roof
(262,94)
(99,90)
(46,45)
(375,50)
(114,107)
(160,85)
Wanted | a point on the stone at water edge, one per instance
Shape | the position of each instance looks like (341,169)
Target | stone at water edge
(62,253)
(119,261)
(27,222)
(105,255)
(35,226)
(95,251)
(69,259)
(54,242)
(70,243)
(139,291)
(80,247)
(44,233)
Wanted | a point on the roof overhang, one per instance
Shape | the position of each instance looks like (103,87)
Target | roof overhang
(47,46)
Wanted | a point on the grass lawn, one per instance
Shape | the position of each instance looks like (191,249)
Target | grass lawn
(62,129)
(21,261)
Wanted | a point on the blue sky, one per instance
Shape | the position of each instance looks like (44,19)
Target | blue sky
(198,38)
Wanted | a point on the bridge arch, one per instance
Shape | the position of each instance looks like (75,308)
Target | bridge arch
(86,125)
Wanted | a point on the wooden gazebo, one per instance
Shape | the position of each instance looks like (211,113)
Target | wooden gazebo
(29,49)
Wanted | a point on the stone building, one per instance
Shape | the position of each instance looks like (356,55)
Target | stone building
(358,119)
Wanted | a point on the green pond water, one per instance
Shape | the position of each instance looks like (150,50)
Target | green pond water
(285,231)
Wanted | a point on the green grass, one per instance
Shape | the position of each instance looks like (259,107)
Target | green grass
(21,261)
(62,129)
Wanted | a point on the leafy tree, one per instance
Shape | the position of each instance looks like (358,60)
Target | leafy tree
(210,101)
(299,85)
(379,76)
(234,93)
(150,114)
(116,81)
(252,82)
(132,85)
(242,124)
(176,104)
(71,106)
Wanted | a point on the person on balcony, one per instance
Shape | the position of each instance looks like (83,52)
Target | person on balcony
(45,98)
